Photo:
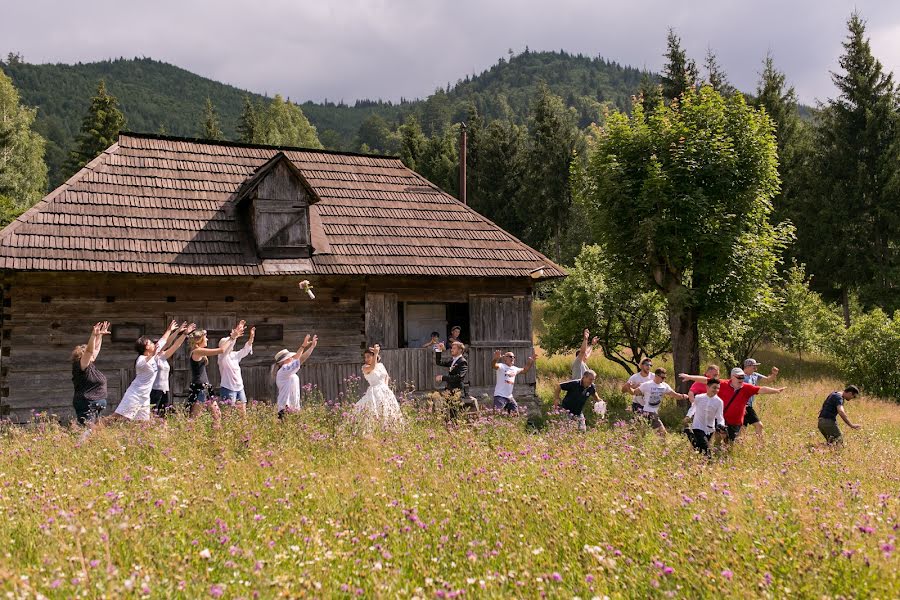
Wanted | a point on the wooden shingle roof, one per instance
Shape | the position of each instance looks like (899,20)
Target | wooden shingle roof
(163,205)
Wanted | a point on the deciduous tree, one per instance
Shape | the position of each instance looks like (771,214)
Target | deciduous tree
(23,174)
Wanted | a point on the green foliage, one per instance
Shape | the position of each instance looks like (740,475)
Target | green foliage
(681,200)
(23,174)
(377,136)
(869,353)
(804,323)
(439,160)
(853,186)
(496,170)
(283,123)
(629,322)
(554,142)
(715,75)
(680,73)
(248,128)
(99,129)
(210,127)
(412,143)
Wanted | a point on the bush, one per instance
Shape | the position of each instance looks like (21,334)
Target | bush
(869,353)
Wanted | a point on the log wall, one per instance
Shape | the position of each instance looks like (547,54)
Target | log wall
(45,315)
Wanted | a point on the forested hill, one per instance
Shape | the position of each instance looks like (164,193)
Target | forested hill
(159,97)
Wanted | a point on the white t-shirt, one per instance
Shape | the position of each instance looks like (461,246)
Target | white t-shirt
(288,385)
(161,382)
(707,411)
(230,366)
(638,378)
(506,378)
(578,368)
(653,394)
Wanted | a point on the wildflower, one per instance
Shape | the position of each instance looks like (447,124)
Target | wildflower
(727,574)
(216,590)
(205,553)
(556,577)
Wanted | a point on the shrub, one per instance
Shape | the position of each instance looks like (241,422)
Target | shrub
(869,353)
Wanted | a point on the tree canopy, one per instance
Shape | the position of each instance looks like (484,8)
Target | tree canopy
(23,174)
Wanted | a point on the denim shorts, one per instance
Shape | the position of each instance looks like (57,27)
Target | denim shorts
(89,412)
(227,395)
(199,392)
(508,404)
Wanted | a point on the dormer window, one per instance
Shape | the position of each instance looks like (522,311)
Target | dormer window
(275,201)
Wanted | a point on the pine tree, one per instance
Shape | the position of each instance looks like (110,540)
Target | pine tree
(850,239)
(792,137)
(412,143)
(248,125)
(554,141)
(23,174)
(715,75)
(649,94)
(680,72)
(211,130)
(99,129)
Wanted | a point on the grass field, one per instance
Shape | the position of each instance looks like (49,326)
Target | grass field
(486,509)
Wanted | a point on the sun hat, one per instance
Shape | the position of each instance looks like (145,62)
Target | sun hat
(282,354)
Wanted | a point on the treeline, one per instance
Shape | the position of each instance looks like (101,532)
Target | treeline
(720,223)
(158,97)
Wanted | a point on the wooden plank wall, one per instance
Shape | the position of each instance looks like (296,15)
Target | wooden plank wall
(500,318)
(46,314)
(382,325)
(49,314)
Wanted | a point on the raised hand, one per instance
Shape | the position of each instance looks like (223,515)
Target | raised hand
(306,340)
(496,355)
(183,327)
(774,371)
(315,340)
(252,333)
(595,340)
(376,349)
(191,328)
(587,334)
(173,325)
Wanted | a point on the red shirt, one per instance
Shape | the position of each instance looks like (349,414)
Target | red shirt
(698,388)
(734,407)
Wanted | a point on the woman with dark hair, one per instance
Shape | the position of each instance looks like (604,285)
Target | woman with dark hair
(90,384)
(379,406)
(160,396)
(135,404)
(200,387)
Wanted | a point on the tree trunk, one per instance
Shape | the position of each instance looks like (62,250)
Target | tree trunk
(685,345)
(845,303)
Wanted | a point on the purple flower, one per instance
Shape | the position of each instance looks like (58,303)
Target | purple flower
(727,574)
(556,576)
(216,590)
(668,570)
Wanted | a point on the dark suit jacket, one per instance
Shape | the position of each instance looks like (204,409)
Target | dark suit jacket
(456,378)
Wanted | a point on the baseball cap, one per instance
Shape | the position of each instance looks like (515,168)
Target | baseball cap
(737,372)
(751,362)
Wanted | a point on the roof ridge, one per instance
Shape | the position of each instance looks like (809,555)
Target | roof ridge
(60,189)
(195,140)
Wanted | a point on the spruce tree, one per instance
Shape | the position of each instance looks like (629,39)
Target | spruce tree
(211,130)
(715,75)
(23,174)
(680,72)
(99,129)
(248,125)
(850,238)
(649,94)
(412,143)
(554,142)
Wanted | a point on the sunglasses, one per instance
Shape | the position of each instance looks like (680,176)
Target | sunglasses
(740,377)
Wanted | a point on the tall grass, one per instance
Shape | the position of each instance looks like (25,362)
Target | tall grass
(484,509)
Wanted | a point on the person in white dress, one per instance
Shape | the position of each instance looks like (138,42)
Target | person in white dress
(135,403)
(284,372)
(378,407)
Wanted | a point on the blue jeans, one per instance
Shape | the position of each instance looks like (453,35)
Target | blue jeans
(227,395)
(508,404)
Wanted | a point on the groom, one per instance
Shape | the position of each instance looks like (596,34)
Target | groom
(458,365)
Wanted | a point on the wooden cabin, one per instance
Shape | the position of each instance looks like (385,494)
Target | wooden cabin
(159,228)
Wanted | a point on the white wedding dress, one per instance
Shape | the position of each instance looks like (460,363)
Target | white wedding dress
(379,406)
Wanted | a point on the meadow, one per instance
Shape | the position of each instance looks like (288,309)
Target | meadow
(485,508)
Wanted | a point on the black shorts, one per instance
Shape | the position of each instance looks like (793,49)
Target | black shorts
(750,416)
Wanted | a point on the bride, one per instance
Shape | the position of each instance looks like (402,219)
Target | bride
(378,406)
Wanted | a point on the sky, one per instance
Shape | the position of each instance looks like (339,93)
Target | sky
(351,49)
